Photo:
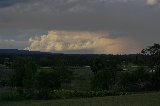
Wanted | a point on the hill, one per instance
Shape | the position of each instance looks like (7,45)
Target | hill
(24,52)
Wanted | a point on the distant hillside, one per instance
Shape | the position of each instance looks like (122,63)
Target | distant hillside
(16,51)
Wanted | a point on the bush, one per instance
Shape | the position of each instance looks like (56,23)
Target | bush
(10,95)
(137,80)
(103,80)
(44,94)
(64,94)
(47,80)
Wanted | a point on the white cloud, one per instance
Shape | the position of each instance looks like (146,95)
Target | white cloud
(152,2)
(61,41)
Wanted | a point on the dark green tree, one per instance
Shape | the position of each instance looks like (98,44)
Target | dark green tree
(24,70)
(135,80)
(154,64)
(47,79)
(102,80)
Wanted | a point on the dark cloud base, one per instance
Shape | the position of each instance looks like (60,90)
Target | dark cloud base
(7,3)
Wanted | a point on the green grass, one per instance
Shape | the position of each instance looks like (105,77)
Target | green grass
(148,99)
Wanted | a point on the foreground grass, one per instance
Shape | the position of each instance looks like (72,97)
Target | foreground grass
(148,99)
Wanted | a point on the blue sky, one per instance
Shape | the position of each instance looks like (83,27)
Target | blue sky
(127,26)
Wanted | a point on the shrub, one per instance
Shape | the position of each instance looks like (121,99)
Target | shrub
(137,80)
(47,80)
(9,95)
(102,80)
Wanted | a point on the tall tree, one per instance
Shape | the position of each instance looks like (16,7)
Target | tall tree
(154,64)
(24,69)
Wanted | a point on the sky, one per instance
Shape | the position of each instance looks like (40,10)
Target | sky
(80,26)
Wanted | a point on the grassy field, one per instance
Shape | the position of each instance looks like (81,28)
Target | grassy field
(148,99)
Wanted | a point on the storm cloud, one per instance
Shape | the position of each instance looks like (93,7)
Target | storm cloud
(61,41)
(134,19)
(6,3)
